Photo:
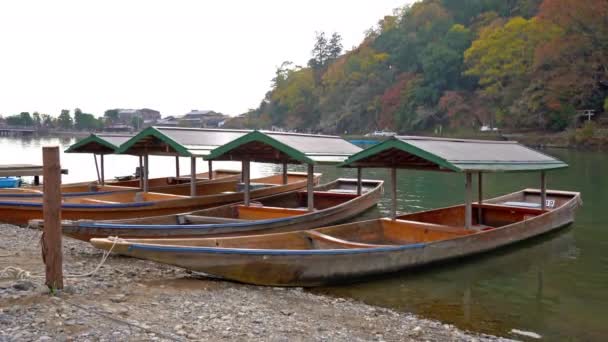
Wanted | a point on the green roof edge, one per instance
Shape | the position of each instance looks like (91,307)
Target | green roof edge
(261,137)
(154,132)
(91,138)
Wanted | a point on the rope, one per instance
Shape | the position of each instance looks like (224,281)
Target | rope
(12,272)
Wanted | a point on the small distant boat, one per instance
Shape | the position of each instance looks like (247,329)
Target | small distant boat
(357,250)
(121,205)
(334,202)
(167,185)
(10,182)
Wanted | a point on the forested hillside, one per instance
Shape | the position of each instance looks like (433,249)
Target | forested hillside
(450,63)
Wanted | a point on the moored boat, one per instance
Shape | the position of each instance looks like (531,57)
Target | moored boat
(167,185)
(120,205)
(334,202)
(358,250)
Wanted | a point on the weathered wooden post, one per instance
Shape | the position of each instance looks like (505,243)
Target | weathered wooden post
(141,172)
(51,242)
(394,193)
(145,172)
(247,180)
(176,166)
(543,190)
(359,185)
(192,176)
(103,170)
(310,187)
(210,167)
(468,207)
(285,178)
(479,197)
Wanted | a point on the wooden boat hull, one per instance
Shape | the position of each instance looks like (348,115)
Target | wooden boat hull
(261,259)
(215,194)
(334,208)
(167,185)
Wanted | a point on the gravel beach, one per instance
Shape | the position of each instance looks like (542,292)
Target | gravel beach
(130,299)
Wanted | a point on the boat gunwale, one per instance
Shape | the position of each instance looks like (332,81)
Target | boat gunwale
(389,248)
(252,223)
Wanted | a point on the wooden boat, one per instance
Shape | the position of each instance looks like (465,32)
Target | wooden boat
(334,202)
(122,205)
(168,185)
(362,249)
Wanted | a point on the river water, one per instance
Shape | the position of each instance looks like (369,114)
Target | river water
(555,285)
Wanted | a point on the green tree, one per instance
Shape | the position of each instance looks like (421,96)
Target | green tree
(111,116)
(64,120)
(85,121)
(37,120)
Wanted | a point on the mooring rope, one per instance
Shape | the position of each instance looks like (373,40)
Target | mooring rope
(12,272)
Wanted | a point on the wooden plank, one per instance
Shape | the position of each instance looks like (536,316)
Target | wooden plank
(51,243)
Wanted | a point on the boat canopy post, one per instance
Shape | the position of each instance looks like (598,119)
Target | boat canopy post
(103,169)
(247,180)
(359,185)
(543,190)
(145,172)
(176,166)
(141,172)
(97,169)
(310,187)
(468,210)
(210,167)
(193,176)
(394,193)
(479,197)
(285,179)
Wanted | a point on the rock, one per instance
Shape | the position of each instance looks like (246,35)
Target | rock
(24,285)
(119,298)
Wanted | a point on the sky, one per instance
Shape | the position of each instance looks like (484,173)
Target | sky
(172,56)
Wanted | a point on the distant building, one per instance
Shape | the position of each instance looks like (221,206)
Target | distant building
(148,116)
(202,118)
(169,121)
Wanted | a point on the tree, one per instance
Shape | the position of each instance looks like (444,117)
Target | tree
(325,50)
(22,119)
(64,120)
(36,119)
(111,116)
(85,121)
(503,56)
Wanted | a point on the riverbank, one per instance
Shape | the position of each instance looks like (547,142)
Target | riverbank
(128,299)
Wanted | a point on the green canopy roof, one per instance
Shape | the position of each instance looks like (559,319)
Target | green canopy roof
(98,143)
(177,141)
(279,147)
(454,155)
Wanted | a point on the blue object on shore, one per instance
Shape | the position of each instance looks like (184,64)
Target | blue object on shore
(10,182)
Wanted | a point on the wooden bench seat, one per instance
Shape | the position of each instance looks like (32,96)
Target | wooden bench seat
(336,241)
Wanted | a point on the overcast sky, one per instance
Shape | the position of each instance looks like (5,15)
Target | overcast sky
(172,56)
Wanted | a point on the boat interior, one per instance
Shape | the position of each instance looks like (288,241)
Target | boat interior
(222,187)
(288,204)
(185,179)
(422,227)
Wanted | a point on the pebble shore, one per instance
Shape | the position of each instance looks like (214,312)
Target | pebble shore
(137,300)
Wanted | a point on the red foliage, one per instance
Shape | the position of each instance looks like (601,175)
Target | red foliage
(391,100)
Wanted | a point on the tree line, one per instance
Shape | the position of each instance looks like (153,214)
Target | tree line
(65,120)
(455,64)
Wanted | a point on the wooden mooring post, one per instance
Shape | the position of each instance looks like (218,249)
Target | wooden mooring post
(51,241)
